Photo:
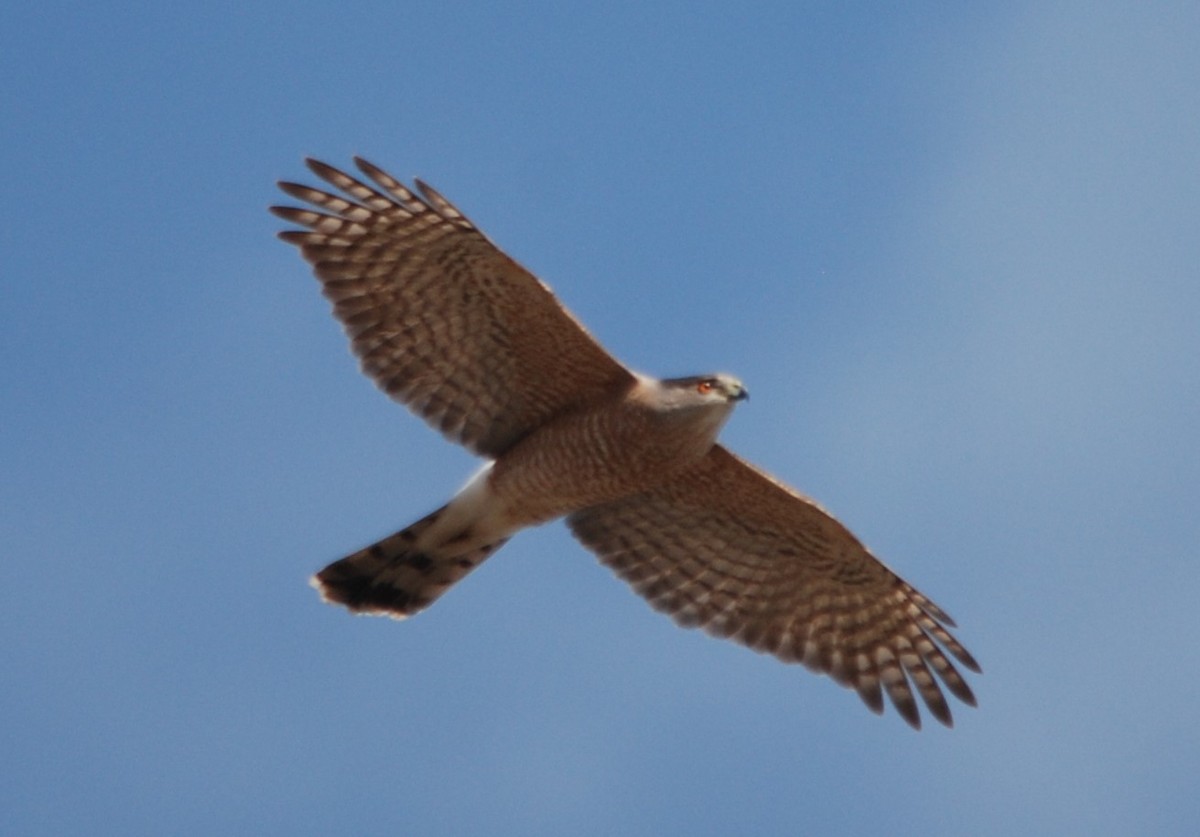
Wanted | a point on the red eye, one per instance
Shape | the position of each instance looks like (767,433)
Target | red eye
(704,387)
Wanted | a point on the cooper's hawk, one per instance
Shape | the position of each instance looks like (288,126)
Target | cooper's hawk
(469,340)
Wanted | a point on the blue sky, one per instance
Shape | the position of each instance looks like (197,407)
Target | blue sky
(953,254)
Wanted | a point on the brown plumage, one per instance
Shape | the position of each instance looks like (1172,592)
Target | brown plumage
(450,326)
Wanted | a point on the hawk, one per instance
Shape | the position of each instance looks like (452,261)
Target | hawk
(472,342)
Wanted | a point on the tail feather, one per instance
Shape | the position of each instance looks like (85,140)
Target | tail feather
(393,577)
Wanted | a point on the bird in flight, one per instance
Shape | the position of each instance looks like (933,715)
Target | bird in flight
(448,325)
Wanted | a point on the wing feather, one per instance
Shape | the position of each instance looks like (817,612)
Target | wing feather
(440,318)
(726,547)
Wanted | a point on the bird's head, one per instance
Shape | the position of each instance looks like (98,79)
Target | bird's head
(695,407)
(700,391)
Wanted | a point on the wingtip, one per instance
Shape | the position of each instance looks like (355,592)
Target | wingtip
(941,713)
(913,719)
(970,662)
(323,170)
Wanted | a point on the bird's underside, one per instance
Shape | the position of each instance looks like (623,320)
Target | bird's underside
(470,341)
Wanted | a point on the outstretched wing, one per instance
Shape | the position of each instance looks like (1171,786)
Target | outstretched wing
(725,547)
(441,319)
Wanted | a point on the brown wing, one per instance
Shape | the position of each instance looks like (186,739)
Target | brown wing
(728,548)
(441,319)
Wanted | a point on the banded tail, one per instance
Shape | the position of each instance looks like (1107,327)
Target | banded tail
(401,575)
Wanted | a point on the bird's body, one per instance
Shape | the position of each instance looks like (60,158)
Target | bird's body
(450,326)
(600,454)
(582,459)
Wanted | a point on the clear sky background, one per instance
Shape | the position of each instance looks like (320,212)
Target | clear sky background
(953,252)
